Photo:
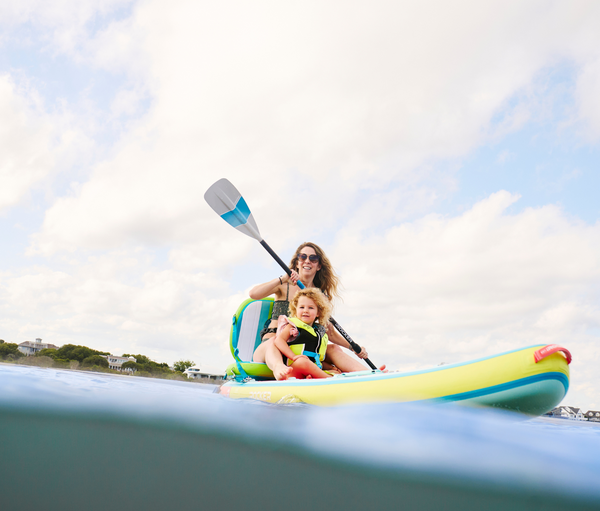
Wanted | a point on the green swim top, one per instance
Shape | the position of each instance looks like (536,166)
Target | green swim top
(281,307)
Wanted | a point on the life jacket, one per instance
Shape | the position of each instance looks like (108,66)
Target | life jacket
(308,341)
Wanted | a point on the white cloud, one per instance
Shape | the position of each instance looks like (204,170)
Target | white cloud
(588,100)
(36,144)
(27,139)
(275,95)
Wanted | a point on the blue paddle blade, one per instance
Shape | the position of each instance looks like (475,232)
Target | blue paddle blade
(229,204)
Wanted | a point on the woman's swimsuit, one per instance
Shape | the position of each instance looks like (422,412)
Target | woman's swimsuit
(280,308)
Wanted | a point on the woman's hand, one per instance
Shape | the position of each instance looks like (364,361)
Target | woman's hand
(363,353)
(294,278)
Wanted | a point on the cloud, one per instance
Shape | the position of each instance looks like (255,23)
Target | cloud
(588,102)
(37,144)
(283,96)
(27,138)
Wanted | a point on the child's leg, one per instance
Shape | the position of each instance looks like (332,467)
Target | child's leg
(274,359)
(260,352)
(303,367)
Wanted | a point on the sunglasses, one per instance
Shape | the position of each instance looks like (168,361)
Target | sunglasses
(313,258)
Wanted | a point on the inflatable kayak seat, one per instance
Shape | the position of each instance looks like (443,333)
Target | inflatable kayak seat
(247,323)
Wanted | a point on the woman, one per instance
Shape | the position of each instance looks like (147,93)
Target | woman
(311,266)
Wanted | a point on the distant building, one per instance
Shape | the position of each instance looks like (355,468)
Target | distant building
(116,363)
(592,415)
(195,372)
(575,413)
(31,348)
(568,412)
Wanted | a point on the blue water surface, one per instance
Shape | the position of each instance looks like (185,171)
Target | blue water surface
(456,443)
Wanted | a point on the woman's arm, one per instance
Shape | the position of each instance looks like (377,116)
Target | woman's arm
(268,288)
(274,286)
(336,338)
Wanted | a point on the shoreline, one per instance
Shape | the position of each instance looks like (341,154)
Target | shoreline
(112,372)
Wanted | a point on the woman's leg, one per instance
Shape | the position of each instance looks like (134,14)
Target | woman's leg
(335,355)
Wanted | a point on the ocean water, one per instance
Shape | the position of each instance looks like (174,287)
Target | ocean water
(79,435)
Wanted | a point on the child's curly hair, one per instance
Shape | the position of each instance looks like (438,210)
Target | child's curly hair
(321,301)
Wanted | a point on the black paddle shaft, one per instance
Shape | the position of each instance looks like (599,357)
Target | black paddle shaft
(355,346)
(337,326)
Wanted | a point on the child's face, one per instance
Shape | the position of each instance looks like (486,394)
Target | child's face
(307,310)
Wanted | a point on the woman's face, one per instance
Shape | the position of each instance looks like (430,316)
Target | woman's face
(307,310)
(307,267)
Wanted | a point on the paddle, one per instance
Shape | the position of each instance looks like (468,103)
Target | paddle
(229,204)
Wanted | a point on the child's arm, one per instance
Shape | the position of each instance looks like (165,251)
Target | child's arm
(281,342)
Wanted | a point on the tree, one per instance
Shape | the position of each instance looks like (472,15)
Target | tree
(47,352)
(182,365)
(10,351)
(73,352)
(142,359)
(130,364)
(95,360)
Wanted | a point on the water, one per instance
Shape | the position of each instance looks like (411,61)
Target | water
(407,452)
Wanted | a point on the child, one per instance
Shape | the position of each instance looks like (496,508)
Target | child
(301,340)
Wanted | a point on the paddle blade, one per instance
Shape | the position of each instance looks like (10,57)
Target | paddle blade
(229,204)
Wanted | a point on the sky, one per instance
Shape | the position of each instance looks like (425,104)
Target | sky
(443,154)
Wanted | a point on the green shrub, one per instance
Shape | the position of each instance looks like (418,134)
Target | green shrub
(47,352)
(73,352)
(130,364)
(182,365)
(94,360)
(10,349)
